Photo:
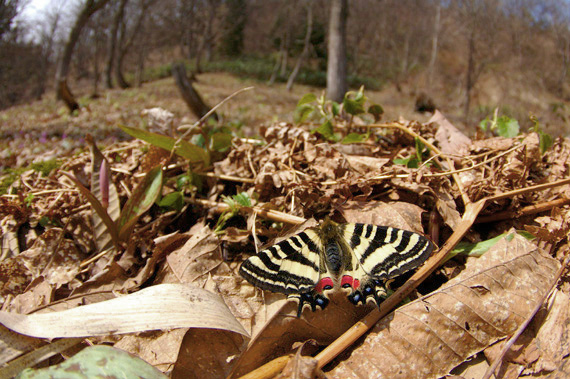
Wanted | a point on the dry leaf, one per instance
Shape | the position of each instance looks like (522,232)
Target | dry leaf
(431,335)
(163,306)
(207,353)
(450,139)
(395,214)
(542,346)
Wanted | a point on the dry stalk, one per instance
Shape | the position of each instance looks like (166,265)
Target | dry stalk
(528,210)
(266,213)
(227,177)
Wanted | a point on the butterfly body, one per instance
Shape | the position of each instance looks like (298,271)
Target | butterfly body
(354,258)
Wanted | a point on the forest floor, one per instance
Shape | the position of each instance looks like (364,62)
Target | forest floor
(87,213)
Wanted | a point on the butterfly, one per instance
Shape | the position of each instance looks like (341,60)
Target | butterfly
(355,258)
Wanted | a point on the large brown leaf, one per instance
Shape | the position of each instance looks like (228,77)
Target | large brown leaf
(430,336)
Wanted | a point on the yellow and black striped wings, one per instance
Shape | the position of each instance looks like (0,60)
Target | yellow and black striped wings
(358,258)
(384,252)
(291,266)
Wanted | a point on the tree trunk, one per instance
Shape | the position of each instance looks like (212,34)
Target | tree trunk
(121,82)
(284,55)
(306,47)
(277,64)
(140,66)
(123,47)
(565,60)
(336,65)
(189,94)
(470,77)
(434,44)
(113,43)
(62,90)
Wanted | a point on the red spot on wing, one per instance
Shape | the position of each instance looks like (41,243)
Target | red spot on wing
(323,283)
(346,279)
(352,282)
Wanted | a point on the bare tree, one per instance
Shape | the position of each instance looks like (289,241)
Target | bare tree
(434,42)
(189,94)
(113,42)
(306,47)
(207,42)
(62,91)
(282,32)
(336,65)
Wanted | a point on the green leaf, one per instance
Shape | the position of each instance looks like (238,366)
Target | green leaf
(173,201)
(182,181)
(377,111)
(29,199)
(527,235)
(507,127)
(420,147)
(354,102)
(142,198)
(302,112)
(410,162)
(307,98)
(195,154)
(335,108)
(243,199)
(484,124)
(221,141)
(326,130)
(475,249)
(353,107)
(545,141)
(354,138)
(96,362)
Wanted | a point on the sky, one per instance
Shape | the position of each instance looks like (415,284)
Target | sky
(35,9)
(35,14)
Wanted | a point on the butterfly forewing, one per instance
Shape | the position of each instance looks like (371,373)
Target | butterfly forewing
(291,266)
(384,252)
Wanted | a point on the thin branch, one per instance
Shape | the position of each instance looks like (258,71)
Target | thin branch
(521,191)
(528,210)
(267,213)
(227,177)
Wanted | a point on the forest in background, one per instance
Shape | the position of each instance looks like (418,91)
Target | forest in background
(468,56)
